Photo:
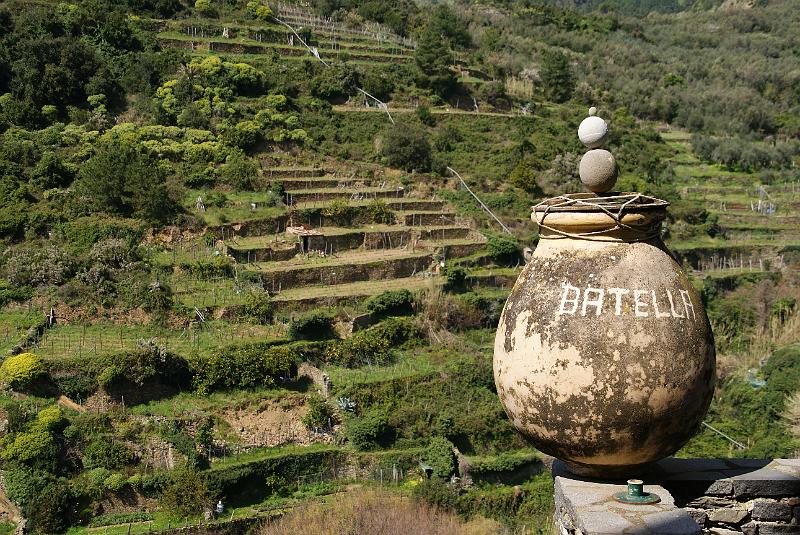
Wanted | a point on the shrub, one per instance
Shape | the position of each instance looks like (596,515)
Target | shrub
(371,431)
(149,363)
(455,278)
(503,249)
(339,212)
(186,494)
(391,303)
(12,293)
(243,366)
(20,371)
(103,453)
(319,414)
(440,457)
(115,482)
(406,147)
(49,510)
(363,348)
(379,212)
(314,325)
(258,308)
(38,265)
(36,447)
(204,7)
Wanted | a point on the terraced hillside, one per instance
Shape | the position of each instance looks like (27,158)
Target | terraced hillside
(758,222)
(229,274)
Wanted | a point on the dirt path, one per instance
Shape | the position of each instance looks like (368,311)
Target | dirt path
(64,401)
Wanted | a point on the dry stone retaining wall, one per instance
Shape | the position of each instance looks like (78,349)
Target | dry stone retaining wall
(698,496)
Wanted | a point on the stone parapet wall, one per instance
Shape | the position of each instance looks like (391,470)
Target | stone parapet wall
(708,496)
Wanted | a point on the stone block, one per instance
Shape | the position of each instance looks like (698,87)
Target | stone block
(603,523)
(771,528)
(698,515)
(674,522)
(728,516)
(772,511)
(766,483)
(751,528)
(723,531)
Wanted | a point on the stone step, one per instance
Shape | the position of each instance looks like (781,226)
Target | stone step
(345,268)
(332,240)
(329,194)
(426,218)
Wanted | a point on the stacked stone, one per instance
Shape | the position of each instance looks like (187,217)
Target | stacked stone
(598,169)
(698,496)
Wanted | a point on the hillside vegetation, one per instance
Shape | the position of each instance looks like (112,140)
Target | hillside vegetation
(233,271)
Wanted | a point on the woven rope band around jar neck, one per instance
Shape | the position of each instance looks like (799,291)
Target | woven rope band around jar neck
(614,207)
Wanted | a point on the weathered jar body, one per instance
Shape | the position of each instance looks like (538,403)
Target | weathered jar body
(604,356)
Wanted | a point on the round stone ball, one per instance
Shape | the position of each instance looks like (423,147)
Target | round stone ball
(593,132)
(598,170)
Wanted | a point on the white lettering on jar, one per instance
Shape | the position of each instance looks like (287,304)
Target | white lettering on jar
(640,303)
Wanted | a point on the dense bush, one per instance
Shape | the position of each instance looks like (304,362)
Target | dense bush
(319,415)
(149,363)
(370,431)
(186,494)
(406,147)
(440,457)
(391,303)
(314,325)
(258,308)
(503,249)
(102,452)
(20,371)
(243,366)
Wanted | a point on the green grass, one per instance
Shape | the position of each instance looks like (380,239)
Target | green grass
(236,209)
(79,341)
(187,403)
(14,323)
(408,364)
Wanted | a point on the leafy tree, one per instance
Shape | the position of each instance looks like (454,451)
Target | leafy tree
(122,180)
(433,59)
(406,147)
(446,23)
(523,176)
(557,76)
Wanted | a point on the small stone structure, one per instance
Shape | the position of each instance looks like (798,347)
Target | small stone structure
(317,376)
(708,496)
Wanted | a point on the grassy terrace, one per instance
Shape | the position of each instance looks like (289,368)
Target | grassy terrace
(358,289)
(76,341)
(237,27)
(14,323)
(346,258)
(355,50)
(236,208)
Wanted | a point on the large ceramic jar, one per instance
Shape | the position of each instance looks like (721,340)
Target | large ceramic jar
(604,356)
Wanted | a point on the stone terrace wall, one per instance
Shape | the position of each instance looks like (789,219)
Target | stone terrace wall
(708,496)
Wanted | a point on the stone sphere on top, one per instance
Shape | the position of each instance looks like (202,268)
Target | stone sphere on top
(593,131)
